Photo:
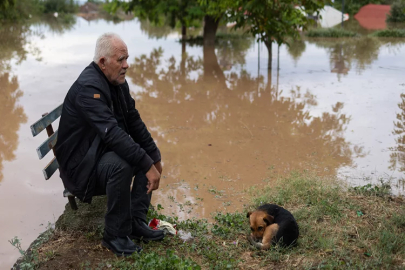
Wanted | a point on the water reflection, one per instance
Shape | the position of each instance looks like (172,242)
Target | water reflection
(234,125)
(13,41)
(12,116)
(153,31)
(296,49)
(345,54)
(53,25)
(397,157)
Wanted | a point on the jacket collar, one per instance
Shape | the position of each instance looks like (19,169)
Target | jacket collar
(100,71)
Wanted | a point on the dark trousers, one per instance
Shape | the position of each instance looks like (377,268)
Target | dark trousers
(114,176)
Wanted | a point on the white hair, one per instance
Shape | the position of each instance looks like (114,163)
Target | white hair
(104,46)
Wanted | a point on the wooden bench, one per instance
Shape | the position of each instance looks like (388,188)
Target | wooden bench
(46,123)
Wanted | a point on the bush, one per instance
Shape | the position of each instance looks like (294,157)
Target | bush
(330,33)
(397,13)
(396,33)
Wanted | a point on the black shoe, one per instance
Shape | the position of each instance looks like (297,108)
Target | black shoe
(141,231)
(120,246)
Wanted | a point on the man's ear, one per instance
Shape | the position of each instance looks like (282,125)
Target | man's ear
(101,62)
(248,214)
(268,219)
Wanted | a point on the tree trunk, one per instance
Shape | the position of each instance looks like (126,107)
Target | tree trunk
(183,32)
(269,87)
(268,45)
(210,30)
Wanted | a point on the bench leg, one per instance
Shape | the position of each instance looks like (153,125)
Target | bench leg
(72,202)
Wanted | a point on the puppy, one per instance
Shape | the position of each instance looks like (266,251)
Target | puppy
(271,224)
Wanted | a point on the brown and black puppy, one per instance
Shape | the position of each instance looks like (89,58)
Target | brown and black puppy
(271,224)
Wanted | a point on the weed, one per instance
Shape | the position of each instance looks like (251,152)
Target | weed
(155,260)
(373,190)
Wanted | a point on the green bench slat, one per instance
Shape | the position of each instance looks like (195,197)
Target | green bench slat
(42,123)
(47,145)
(50,168)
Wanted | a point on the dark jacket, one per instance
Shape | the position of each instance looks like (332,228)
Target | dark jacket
(88,128)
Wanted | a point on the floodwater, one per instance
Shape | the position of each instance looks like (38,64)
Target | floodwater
(222,121)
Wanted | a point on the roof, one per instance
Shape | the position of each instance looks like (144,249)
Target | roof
(373,16)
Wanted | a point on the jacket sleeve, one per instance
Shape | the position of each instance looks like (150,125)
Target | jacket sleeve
(139,132)
(93,107)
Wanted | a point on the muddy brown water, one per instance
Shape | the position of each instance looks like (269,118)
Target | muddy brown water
(221,120)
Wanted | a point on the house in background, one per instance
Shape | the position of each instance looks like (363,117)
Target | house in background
(373,16)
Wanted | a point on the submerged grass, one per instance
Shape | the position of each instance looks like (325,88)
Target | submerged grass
(356,228)
(330,33)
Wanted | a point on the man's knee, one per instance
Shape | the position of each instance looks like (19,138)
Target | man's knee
(117,166)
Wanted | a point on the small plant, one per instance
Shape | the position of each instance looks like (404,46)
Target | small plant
(373,190)
(16,242)
(213,190)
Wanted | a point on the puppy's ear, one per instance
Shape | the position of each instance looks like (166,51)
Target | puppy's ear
(248,214)
(268,219)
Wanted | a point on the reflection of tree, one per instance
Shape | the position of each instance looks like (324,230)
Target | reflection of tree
(345,53)
(232,49)
(282,128)
(296,48)
(12,115)
(13,39)
(63,23)
(397,157)
(155,31)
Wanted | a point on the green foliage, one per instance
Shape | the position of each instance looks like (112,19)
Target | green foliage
(395,33)
(30,258)
(397,12)
(353,6)
(229,224)
(162,12)
(61,6)
(154,260)
(381,190)
(390,243)
(18,10)
(274,21)
(330,33)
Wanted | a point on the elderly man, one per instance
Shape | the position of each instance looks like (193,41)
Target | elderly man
(103,142)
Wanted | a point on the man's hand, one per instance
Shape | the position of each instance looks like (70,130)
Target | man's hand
(158,166)
(153,179)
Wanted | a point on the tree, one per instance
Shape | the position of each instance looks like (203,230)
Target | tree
(163,12)
(397,12)
(214,11)
(273,21)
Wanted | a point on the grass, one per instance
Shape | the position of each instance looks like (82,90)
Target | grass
(340,228)
(329,33)
(394,33)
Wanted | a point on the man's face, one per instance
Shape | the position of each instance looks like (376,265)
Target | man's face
(116,65)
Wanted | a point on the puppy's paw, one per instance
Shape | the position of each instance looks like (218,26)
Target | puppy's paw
(257,245)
